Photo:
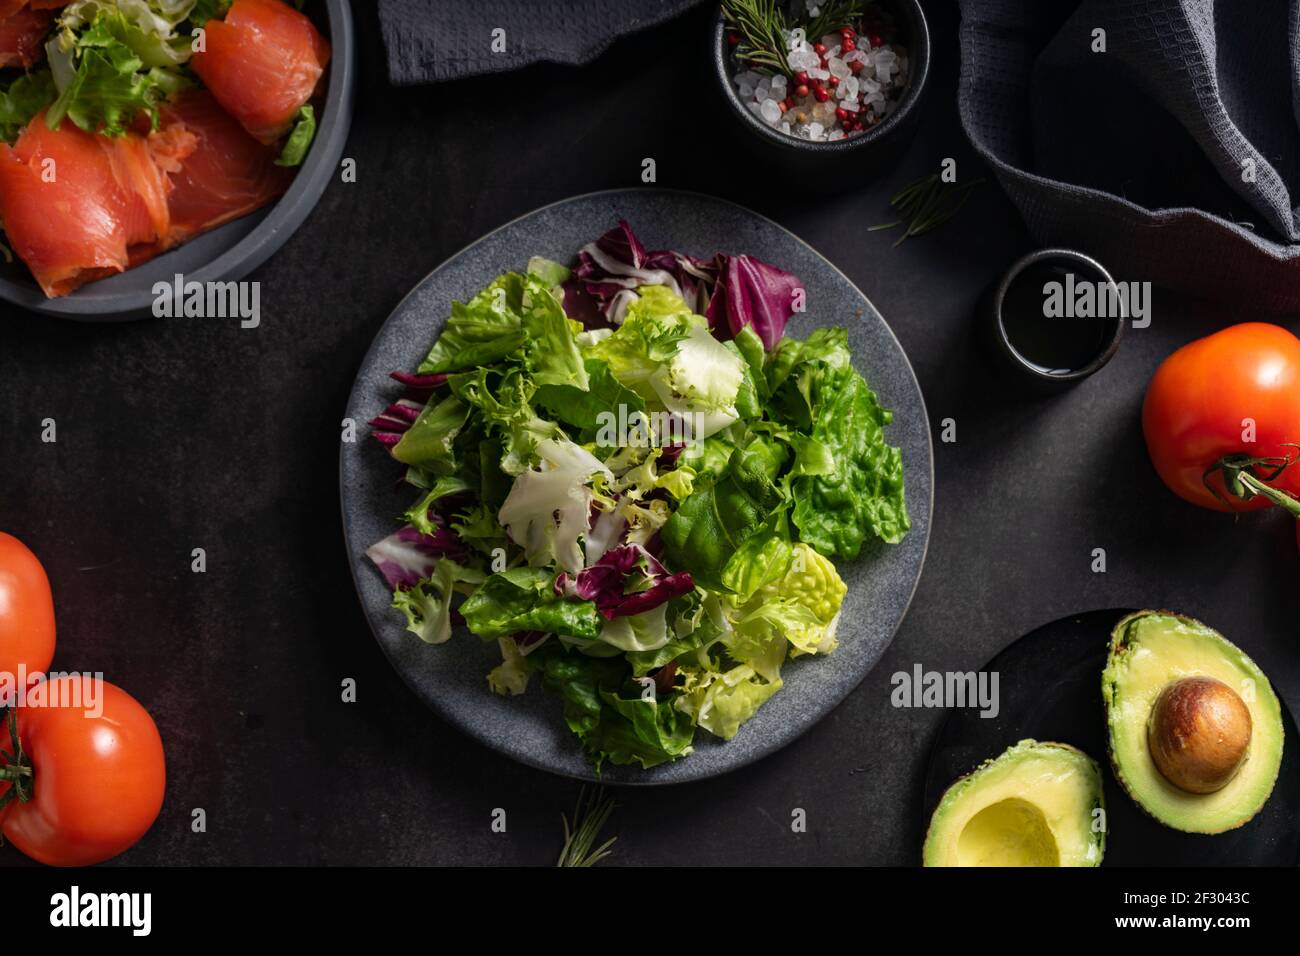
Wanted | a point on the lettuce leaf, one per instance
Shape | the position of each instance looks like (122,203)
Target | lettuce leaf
(549,508)
(583,409)
(511,675)
(647,340)
(702,379)
(714,521)
(296,146)
(478,528)
(205,10)
(761,559)
(418,514)
(427,605)
(863,496)
(503,401)
(648,732)
(697,625)
(524,599)
(428,443)
(551,349)
(151,29)
(515,319)
(482,331)
(23,99)
(800,606)
(849,484)
(647,631)
(611,724)
(721,701)
(550,273)
(113,61)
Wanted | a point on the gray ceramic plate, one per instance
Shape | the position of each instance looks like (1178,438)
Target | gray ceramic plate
(239,247)
(451,678)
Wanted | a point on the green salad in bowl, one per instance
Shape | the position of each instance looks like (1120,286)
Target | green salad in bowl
(632,480)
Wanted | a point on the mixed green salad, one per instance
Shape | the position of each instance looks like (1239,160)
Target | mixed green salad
(634,482)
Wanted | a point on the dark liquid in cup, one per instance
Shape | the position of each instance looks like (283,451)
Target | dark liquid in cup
(1054,344)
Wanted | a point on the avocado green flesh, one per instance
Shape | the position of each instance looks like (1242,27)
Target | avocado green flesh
(1151,650)
(1032,806)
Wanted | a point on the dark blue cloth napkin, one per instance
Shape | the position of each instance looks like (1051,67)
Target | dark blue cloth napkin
(1174,156)
(433,40)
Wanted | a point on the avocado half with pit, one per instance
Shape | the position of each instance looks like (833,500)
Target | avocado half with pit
(1036,805)
(1195,728)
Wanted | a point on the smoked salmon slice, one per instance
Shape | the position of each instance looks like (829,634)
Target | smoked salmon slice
(22,33)
(262,63)
(223,175)
(74,203)
(79,206)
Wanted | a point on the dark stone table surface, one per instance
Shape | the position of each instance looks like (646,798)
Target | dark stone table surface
(177,434)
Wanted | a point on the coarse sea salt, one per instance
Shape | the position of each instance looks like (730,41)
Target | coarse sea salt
(850,101)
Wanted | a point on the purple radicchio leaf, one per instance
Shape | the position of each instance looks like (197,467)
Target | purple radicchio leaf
(581,306)
(406,557)
(732,291)
(611,267)
(391,424)
(751,292)
(622,244)
(695,277)
(420,387)
(668,455)
(607,581)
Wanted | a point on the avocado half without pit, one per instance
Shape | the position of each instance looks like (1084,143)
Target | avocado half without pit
(1195,728)
(1038,804)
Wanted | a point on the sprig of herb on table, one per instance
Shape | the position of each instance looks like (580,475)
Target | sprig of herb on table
(589,818)
(927,204)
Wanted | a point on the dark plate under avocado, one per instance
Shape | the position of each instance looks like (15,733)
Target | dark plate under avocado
(1050,690)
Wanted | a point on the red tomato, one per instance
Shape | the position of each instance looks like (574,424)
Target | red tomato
(1208,399)
(26,611)
(96,782)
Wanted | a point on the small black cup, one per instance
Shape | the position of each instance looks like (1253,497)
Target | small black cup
(1052,353)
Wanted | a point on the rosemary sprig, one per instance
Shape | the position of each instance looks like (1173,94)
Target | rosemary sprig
(589,818)
(833,15)
(927,204)
(761,26)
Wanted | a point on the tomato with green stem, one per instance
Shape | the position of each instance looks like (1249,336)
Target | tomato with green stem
(1222,419)
(83,772)
(26,612)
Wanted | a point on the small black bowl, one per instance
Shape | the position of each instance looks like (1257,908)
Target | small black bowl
(867,154)
(1025,370)
(231,251)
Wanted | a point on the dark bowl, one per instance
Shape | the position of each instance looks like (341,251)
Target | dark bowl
(867,154)
(235,249)
(1021,370)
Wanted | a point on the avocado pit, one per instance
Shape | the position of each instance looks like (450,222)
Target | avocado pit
(1199,734)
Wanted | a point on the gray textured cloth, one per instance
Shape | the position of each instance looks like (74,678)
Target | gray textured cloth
(1137,155)
(432,40)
